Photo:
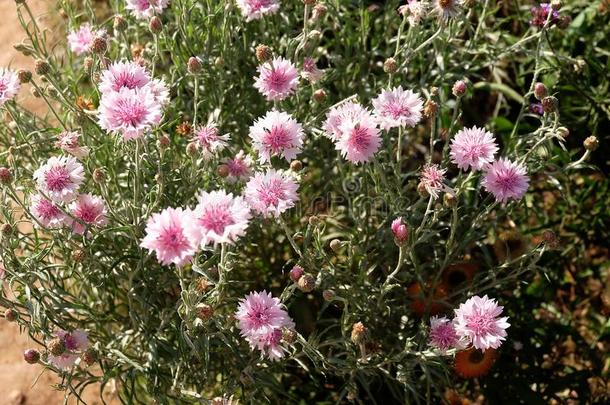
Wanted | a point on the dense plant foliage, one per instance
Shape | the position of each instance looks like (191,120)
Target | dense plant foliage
(312,201)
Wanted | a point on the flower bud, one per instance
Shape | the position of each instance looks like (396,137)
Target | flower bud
(335,245)
(328,295)
(219,61)
(296,166)
(314,35)
(163,142)
(319,95)
(539,91)
(88,63)
(564,21)
(155,25)
(430,109)
(99,175)
(556,5)
(223,170)
(119,24)
(422,191)
(99,45)
(31,356)
(314,220)
(295,273)
(24,76)
(591,143)
(11,315)
(400,231)
(549,104)
(319,11)
(289,335)
(459,88)
(90,356)
(6,230)
(450,199)
(57,347)
(306,283)
(263,53)
(41,67)
(192,150)
(5,175)
(390,66)
(202,285)
(550,238)
(35,92)
(358,333)
(204,312)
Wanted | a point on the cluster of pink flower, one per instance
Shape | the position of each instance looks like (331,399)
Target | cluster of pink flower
(262,319)
(9,85)
(477,323)
(131,101)
(256,9)
(143,9)
(176,234)
(67,348)
(58,181)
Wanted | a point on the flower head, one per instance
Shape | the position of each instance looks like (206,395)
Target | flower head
(277,134)
(143,9)
(360,138)
(167,234)
(9,85)
(68,141)
(336,116)
(277,79)
(238,167)
(478,321)
(400,231)
(208,139)
(442,334)
(130,113)
(540,15)
(46,212)
(446,9)
(256,9)
(398,108)
(416,11)
(271,193)
(310,71)
(119,75)
(506,180)
(80,40)
(59,178)
(75,342)
(219,218)
(432,177)
(261,319)
(89,209)
(473,148)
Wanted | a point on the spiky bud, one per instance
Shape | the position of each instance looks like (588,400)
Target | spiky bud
(314,220)
(24,75)
(42,67)
(358,333)
(78,255)
(540,91)
(99,175)
(57,346)
(289,335)
(119,23)
(31,356)
(184,128)
(99,45)
(296,165)
(306,283)
(5,175)
(11,315)
(194,65)
(591,143)
(390,66)
(204,311)
(549,104)
(459,88)
(192,150)
(319,95)
(155,25)
(263,53)
(295,273)
(422,191)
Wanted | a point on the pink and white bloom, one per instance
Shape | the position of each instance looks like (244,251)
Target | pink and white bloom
(81,39)
(46,212)
(239,167)
(68,142)
(130,113)
(9,85)
(473,148)
(400,231)
(209,140)
(143,9)
(360,139)
(76,343)
(60,178)
(310,71)
(219,218)
(415,11)
(433,179)
(446,9)
(89,209)
(277,79)
(478,321)
(443,335)
(119,75)
(167,234)
(261,318)
(256,9)
(398,108)
(506,180)
(347,111)
(277,134)
(271,193)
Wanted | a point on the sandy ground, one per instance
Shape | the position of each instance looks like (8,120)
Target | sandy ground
(18,383)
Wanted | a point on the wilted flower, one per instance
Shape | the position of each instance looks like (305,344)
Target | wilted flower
(68,141)
(9,85)
(277,79)
(46,212)
(277,134)
(397,108)
(256,9)
(478,321)
(209,141)
(59,178)
(506,180)
(142,9)
(432,178)
(310,71)
(81,40)
(473,148)
(89,209)
(271,193)
(416,11)
(446,9)
(238,167)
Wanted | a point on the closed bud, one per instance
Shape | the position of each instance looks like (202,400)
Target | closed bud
(422,191)
(202,285)
(35,92)
(223,170)
(191,149)
(540,91)
(549,104)
(556,5)
(90,356)
(319,11)
(314,220)
(263,53)
(99,45)
(78,255)
(11,315)
(306,283)
(459,88)
(163,142)
(296,272)
(319,95)
(6,230)
(296,165)
(358,333)
(155,25)
(57,346)
(194,65)
(31,356)
(219,61)
(433,91)
(400,231)
(550,238)
(335,245)
(564,21)
(24,76)
(328,295)
(119,24)
(430,109)
(289,335)
(99,175)
(314,35)
(5,175)
(390,66)
(88,63)
(42,67)
(450,200)
(204,312)
(591,143)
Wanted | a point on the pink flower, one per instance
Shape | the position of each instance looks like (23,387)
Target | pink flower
(473,147)
(359,139)
(9,85)
(64,361)
(277,134)
(68,141)
(209,141)
(277,79)
(256,9)
(132,76)
(59,178)
(261,319)
(400,231)
(46,212)
(89,209)
(505,180)
(80,40)
(238,166)
(310,71)
(219,218)
(443,335)
(271,193)
(433,179)
(398,108)
(130,113)
(167,235)
(142,9)
(477,320)
(347,111)
(75,342)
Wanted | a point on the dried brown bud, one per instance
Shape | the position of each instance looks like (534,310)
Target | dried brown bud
(556,5)
(430,109)
(42,67)
(314,220)
(306,283)
(202,285)
(319,95)
(136,50)
(79,255)
(192,149)
(5,175)
(390,66)
(184,128)
(31,356)
(358,333)
(194,65)
(289,335)
(549,104)
(155,25)
(296,165)
(449,199)
(591,143)
(99,45)
(319,11)
(223,170)
(120,24)
(6,230)
(204,312)
(263,53)
(99,175)
(422,191)
(90,356)
(163,142)
(24,76)
(328,295)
